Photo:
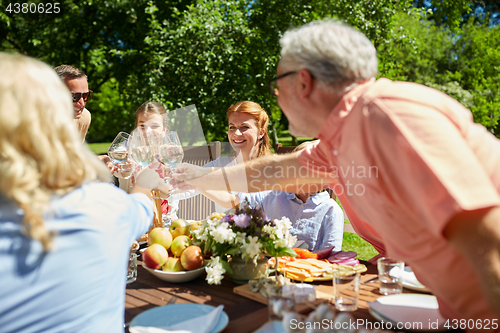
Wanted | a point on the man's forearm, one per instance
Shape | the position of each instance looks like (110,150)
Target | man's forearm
(281,172)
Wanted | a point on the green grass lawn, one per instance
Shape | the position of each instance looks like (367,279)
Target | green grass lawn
(99,148)
(352,242)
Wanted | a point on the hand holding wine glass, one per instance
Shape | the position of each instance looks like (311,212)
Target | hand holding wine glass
(142,146)
(118,152)
(170,150)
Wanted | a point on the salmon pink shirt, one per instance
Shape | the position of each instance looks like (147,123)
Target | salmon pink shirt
(407,158)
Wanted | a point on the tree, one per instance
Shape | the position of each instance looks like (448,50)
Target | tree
(463,66)
(213,53)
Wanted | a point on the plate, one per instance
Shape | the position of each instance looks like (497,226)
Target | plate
(175,313)
(175,277)
(411,282)
(415,312)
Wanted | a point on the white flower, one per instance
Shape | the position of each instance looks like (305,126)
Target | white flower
(215,271)
(240,238)
(212,223)
(201,234)
(268,228)
(252,248)
(223,233)
(291,240)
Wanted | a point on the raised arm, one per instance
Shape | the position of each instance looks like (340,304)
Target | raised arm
(282,172)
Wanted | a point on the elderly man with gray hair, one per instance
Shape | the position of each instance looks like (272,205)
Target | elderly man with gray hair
(417,177)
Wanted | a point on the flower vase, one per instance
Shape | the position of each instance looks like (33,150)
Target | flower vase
(244,271)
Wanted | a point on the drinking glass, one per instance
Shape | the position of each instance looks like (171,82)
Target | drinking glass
(142,146)
(346,291)
(280,299)
(170,150)
(118,152)
(132,268)
(390,275)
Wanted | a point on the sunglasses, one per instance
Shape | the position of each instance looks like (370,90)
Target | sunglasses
(86,96)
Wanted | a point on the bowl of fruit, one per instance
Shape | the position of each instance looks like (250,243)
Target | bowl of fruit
(170,255)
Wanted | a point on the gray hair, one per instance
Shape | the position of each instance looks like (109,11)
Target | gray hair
(69,72)
(335,53)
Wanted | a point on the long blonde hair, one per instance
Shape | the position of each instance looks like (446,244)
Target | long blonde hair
(261,118)
(41,154)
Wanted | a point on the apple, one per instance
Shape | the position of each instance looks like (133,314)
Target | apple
(179,227)
(195,225)
(192,258)
(172,265)
(179,244)
(155,256)
(160,236)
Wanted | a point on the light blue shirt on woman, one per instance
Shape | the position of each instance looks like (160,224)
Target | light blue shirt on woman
(79,286)
(319,221)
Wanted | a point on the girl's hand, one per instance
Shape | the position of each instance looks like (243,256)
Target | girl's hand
(149,179)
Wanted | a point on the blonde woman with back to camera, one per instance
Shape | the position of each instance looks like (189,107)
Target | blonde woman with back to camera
(65,236)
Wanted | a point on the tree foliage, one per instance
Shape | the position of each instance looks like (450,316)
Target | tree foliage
(213,53)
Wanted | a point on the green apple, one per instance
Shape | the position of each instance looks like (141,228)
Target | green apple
(192,258)
(179,244)
(172,265)
(179,227)
(155,256)
(160,236)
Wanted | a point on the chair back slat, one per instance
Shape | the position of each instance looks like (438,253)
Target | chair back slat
(198,207)
(280,149)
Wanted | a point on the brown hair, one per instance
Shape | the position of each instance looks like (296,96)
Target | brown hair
(150,107)
(68,71)
(261,118)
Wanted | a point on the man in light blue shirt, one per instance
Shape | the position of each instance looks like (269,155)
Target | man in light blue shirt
(316,218)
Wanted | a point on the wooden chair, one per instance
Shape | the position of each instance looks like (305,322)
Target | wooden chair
(198,207)
(280,149)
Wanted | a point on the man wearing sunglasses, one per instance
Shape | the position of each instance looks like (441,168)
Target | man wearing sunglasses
(76,81)
(417,177)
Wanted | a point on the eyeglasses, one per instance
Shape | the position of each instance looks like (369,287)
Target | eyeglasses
(86,96)
(273,86)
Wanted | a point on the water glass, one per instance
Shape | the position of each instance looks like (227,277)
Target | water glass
(280,299)
(346,291)
(118,152)
(390,275)
(132,268)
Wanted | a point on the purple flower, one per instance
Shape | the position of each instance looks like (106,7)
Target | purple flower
(226,218)
(241,220)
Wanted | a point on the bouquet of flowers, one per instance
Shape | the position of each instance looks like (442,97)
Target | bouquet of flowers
(247,234)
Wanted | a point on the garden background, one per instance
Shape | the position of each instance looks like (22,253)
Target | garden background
(213,53)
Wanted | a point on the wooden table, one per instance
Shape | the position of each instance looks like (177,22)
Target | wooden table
(148,292)
(245,315)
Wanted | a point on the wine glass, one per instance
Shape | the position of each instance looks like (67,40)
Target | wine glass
(142,146)
(170,150)
(118,152)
